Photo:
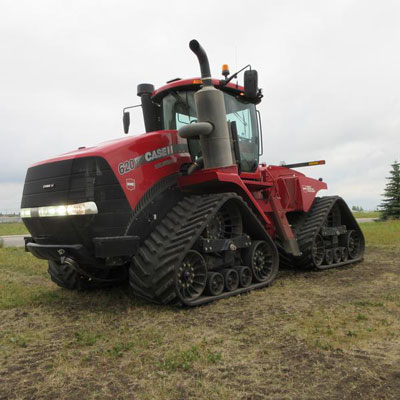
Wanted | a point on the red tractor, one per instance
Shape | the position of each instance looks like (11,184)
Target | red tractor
(185,212)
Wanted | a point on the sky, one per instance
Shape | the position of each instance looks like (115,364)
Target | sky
(329,70)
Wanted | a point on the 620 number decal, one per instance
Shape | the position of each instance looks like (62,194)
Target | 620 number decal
(126,166)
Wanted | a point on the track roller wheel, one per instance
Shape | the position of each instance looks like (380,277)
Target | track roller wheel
(215,283)
(318,251)
(245,276)
(353,242)
(191,276)
(231,277)
(345,254)
(262,260)
(337,255)
(328,256)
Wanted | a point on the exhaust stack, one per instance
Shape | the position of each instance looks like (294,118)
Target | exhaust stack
(212,128)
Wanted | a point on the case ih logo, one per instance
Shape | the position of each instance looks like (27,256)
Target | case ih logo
(158,153)
(129,165)
(48,186)
(130,184)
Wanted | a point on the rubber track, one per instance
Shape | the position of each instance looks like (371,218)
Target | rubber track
(309,230)
(66,277)
(152,272)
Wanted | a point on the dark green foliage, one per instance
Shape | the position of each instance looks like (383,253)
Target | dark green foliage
(391,203)
(357,208)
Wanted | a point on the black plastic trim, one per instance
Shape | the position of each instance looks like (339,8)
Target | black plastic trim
(116,246)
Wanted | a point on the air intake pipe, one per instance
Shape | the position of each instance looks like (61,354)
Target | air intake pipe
(150,112)
(212,128)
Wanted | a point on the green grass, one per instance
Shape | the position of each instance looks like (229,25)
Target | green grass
(16,228)
(366,214)
(381,233)
(335,332)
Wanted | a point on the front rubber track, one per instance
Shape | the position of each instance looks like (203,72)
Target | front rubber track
(68,278)
(153,268)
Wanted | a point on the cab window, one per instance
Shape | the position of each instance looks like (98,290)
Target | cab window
(179,109)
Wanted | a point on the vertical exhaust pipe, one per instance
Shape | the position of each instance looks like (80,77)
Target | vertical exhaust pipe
(213,128)
(203,61)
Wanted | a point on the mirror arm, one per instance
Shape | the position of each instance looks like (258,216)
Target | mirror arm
(126,117)
(126,108)
(224,82)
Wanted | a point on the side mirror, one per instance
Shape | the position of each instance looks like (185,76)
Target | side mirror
(126,120)
(251,83)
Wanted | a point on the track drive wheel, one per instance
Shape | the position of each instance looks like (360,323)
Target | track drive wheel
(262,258)
(226,224)
(215,283)
(191,276)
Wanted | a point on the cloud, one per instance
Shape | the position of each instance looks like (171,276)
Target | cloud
(329,71)
(10,197)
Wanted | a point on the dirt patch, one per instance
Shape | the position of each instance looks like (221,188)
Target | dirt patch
(311,335)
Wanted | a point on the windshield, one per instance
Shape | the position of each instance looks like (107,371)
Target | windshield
(179,109)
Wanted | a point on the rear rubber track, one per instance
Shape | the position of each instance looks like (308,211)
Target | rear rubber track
(308,231)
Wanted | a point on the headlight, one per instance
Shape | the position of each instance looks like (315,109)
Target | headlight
(60,211)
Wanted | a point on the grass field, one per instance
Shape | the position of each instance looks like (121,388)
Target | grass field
(382,233)
(311,335)
(366,214)
(16,228)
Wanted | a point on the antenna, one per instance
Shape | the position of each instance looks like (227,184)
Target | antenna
(236,64)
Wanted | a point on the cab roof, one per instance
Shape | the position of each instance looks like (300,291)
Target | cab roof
(195,84)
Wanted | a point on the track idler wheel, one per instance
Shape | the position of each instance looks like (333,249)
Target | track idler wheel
(231,277)
(215,284)
(192,276)
(318,251)
(245,276)
(262,260)
(353,243)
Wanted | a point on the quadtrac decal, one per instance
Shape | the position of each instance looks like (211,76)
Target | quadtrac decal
(308,189)
(129,165)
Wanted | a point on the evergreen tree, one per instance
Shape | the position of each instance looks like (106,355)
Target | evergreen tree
(391,203)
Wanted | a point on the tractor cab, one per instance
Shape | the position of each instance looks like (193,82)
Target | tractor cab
(176,108)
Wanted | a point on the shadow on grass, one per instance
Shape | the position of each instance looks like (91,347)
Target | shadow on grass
(105,301)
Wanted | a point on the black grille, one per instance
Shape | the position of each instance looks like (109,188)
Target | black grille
(75,181)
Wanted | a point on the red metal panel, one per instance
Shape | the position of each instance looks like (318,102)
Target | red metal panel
(189,82)
(308,189)
(227,174)
(139,179)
